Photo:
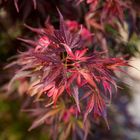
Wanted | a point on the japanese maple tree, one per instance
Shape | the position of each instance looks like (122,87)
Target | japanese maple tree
(70,70)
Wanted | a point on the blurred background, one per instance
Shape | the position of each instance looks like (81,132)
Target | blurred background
(124,112)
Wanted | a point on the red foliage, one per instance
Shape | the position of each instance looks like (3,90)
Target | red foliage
(63,67)
(60,63)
